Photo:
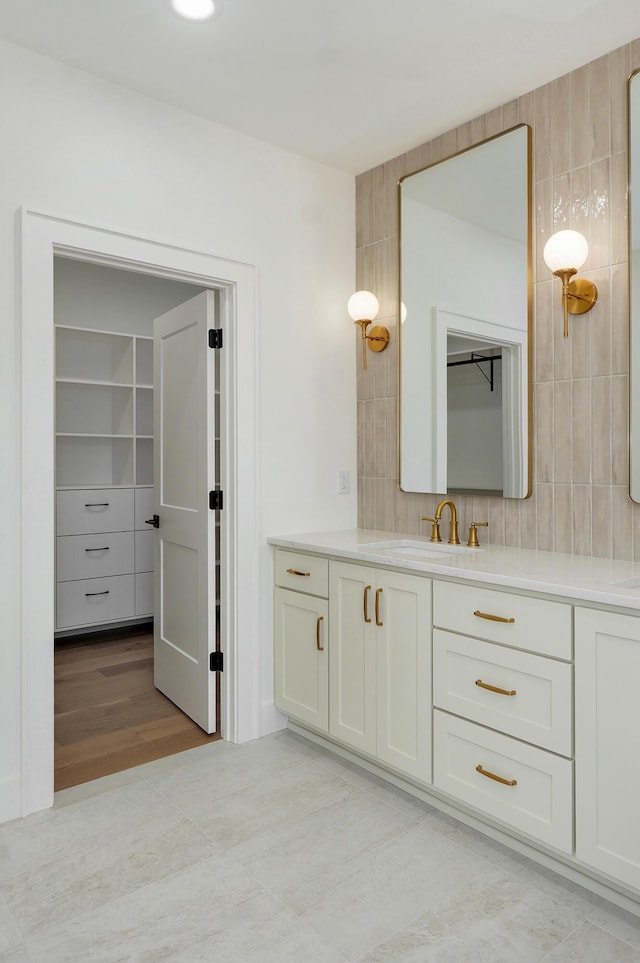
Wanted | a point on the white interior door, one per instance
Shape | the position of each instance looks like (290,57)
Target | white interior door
(184,474)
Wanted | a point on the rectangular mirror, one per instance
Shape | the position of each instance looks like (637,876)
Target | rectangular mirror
(465,311)
(634,286)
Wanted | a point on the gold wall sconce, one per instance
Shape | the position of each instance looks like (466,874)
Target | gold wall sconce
(564,253)
(363,307)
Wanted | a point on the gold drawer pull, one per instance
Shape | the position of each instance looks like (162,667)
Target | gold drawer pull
(319,647)
(378,594)
(492,775)
(492,618)
(293,571)
(365,603)
(494,688)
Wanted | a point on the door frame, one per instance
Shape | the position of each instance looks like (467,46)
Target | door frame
(42,237)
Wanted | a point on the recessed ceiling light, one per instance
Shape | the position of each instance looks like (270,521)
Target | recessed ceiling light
(197,9)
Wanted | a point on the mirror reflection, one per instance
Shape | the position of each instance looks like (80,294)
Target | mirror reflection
(465,321)
(634,286)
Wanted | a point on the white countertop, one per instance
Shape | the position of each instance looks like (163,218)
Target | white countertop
(569,576)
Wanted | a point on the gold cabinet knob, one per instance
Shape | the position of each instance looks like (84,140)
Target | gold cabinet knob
(473,534)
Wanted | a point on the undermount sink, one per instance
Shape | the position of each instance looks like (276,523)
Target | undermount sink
(631,583)
(405,546)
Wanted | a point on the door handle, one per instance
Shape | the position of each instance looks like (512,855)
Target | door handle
(379,622)
(155,521)
(319,647)
(365,605)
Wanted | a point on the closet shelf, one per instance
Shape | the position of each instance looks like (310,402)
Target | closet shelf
(92,434)
(95,383)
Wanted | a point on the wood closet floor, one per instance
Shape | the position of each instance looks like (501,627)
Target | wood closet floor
(108,715)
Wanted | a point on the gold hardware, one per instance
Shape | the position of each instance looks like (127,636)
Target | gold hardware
(578,296)
(293,571)
(473,534)
(435,528)
(492,618)
(494,688)
(564,253)
(453,528)
(378,338)
(365,605)
(491,775)
(378,594)
(319,647)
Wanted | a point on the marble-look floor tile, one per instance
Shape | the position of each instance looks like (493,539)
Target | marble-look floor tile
(260,931)
(18,954)
(466,836)
(617,921)
(311,846)
(494,917)
(153,922)
(373,784)
(193,788)
(114,866)
(372,897)
(258,809)
(562,890)
(590,944)
(10,935)
(36,840)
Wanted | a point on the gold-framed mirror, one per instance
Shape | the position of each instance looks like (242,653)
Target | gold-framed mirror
(633,114)
(465,243)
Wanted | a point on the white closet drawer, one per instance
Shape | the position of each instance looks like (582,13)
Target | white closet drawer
(93,556)
(535,701)
(94,600)
(144,593)
(535,794)
(85,511)
(506,617)
(303,573)
(144,507)
(145,544)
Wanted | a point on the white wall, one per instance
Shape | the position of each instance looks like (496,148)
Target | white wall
(93,152)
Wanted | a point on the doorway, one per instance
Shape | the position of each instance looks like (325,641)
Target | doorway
(42,237)
(108,715)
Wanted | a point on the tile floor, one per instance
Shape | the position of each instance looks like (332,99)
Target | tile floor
(279,852)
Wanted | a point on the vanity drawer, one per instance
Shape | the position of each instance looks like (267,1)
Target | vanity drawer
(535,796)
(303,573)
(93,556)
(94,600)
(505,617)
(536,701)
(84,511)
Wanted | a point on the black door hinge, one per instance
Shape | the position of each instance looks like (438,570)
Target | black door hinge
(216,500)
(215,337)
(216,662)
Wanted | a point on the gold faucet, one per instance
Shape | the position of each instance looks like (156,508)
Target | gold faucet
(453,529)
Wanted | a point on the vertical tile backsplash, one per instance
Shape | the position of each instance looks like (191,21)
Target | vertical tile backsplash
(579,499)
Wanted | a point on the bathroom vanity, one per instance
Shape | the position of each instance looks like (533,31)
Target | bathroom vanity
(500,684)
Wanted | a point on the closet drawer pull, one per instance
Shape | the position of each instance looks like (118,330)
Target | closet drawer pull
(365,603)
(492,618)
(96,504)
(105,548)
(319,647)
(492,775)
(494,688)
(106,592)
(378,594)
(293,571)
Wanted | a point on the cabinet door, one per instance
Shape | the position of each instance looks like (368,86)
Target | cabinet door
(352,628)
(607,670)
(301,657)
(403,637)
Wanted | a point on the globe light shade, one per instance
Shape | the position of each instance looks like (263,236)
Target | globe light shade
(362,306)
(198,9)
(403,312)
(565,250)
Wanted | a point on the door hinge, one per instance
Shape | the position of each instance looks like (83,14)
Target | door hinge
(215,337)
(216,662)
(216,500)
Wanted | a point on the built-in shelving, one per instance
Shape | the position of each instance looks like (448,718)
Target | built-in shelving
(104,409)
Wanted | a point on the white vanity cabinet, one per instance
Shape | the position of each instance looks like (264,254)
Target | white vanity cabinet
(498,710)
(608,743)
(301,664)
(380,665)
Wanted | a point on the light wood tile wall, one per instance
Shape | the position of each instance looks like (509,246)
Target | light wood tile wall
(580,469)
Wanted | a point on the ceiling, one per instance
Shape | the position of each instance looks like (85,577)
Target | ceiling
(349,83)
